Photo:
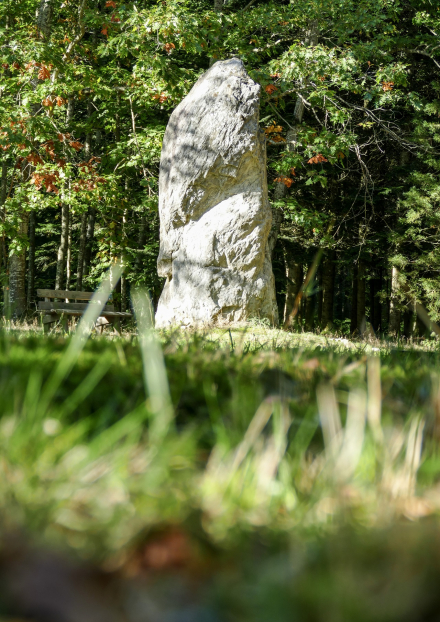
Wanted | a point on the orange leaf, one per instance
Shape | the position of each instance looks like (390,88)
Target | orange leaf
(169,47)
(110,3)
(317,159)
(44,73)
(273,128)
(34,159)
(270,88)
(285,180)
(387,86)
(115,19)
(104,30)
(76,145)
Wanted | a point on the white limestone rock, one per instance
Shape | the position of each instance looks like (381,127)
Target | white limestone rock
(215,216)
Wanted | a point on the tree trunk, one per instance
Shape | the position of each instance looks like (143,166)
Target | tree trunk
(88,140)
(3,193)
(69,258)
(141,242)
(354,299)
(319,295)
(310,313)
(44,18)
(295,278)
(384,307)
(31,260)
(328,290)
(4,183)
(280,193)
(62,249)
(123,293)
(17,274)
(409,320)
(70,110)
(375,303)
(360,310)
(89,240)
(339,293)
(394,325)
(81,252)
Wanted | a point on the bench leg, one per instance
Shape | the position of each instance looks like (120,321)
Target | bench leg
(117,325)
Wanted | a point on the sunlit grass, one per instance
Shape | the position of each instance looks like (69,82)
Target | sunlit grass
(287,436)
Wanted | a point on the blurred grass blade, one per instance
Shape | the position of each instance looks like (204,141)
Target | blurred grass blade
(155,375)
(413,453)
(353,435)
(329,416)
(85,327)
(374,408)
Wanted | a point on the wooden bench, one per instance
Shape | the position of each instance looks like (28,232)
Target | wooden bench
(57,305)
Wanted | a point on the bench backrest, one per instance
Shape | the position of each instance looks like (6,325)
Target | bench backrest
(50,294)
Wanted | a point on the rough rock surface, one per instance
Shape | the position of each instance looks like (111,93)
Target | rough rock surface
(214,211)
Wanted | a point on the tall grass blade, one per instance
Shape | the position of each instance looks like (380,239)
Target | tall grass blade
(155,375)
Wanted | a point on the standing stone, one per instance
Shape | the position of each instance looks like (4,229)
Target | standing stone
(215,216)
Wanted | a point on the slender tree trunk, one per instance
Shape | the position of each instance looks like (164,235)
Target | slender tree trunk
(17,274)
(394,325)
(141,242)
(88,140)
(4,183)
(375,302)
(354,300)
(320,294)
(31,260)
(69,258)
(280,193)
(360,311)
(44,18)
(62,248)
(3,193)
(372,295)
(70,110)
(81,252)
(295,278)
(384,308)
(408,320)
(310,313)
(328,290)
(421,328)
(118,119)
(123,293)
(89,239)
(339,293)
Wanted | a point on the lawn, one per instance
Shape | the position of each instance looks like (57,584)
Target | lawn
(243,475)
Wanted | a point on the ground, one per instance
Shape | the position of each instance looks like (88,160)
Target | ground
(260,475)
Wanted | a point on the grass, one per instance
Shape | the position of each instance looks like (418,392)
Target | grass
(295,476)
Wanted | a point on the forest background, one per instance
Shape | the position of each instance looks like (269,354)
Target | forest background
(349,104)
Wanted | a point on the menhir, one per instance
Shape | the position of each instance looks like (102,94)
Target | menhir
(214,211)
